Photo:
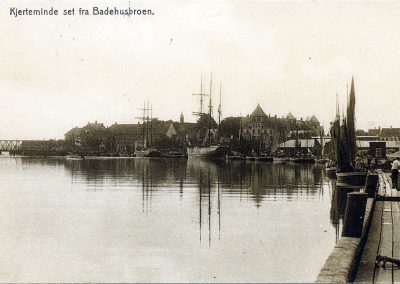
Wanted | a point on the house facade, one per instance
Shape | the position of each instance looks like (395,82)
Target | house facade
(271,131)
(386,134)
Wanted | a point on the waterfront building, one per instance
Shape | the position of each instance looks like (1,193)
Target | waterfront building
(386,134)
(308,145)
(260,128)
(390,134)
(182,131)
(73,136)
(124,136)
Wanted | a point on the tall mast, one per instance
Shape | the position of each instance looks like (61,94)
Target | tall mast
(201,95)
(145,122)
(240,129)
(219,109)
(144,125)
(209,102)
(147,125)
(151,125)
(210,112)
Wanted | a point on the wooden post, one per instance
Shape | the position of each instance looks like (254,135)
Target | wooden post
(372,184)
(398,182)
(342,192)
(354,216)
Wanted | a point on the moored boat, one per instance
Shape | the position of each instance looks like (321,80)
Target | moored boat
(235,156)
(174,154)
(357,178)
(146,149)
(252,156)
(302,160)
(74,157)
(147,153)
(281,159)
(331,172)
(209,147)
(321,160)
(264,159)
(343,138)
(210,152)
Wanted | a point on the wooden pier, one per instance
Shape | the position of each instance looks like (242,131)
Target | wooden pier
(383,237)
(362,259)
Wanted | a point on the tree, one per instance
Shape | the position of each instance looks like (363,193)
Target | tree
(204,123)
(229,127)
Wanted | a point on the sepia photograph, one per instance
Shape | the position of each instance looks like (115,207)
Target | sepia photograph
(189,141)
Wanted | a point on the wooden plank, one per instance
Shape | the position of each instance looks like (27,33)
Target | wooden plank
(367,264)
(396,237)
(388,198)
(385,275)
(387,184)
(382,185)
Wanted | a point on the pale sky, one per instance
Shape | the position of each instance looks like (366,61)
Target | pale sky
(58,72)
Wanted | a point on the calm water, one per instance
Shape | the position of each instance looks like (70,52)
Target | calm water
(141,220)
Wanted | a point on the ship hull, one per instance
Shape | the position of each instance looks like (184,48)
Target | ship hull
(281,160)
(302,160)
(264,159)
(352,178)
(147,153)
(209,152)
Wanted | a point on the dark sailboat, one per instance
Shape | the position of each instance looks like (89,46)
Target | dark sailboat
(331,167)
(345,145)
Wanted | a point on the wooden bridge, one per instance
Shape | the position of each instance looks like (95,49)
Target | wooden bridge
(10,145)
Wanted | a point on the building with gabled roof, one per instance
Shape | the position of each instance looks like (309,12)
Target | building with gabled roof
(73,135)
(390,134)
(258,112)
(272,130)
(290,115)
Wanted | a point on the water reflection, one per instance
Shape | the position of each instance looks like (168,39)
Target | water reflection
(338,203)
(258,180)
(248,219)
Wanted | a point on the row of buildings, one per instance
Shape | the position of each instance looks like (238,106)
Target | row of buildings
(257,128)
(384,134)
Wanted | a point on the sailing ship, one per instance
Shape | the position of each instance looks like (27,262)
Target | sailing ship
(208,149)
(144,148)
(344,142)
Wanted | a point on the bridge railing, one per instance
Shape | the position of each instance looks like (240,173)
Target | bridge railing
(10,145)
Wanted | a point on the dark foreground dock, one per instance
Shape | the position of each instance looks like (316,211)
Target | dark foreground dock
(354,258)
(383,238)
